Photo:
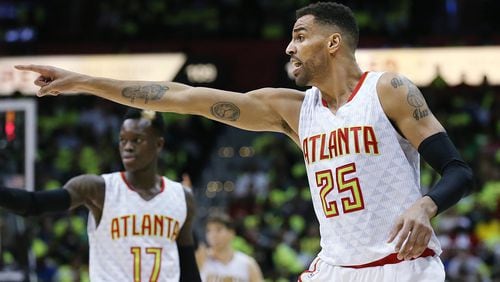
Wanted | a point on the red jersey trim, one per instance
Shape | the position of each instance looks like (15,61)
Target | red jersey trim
(354,91)
(309,271)
(391,259)
(122,174)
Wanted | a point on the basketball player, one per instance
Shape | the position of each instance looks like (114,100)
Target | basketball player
(220,262)
(360,132)
(139,225)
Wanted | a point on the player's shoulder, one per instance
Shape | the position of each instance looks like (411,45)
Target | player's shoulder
(89,180)
(244,257)
(391,81)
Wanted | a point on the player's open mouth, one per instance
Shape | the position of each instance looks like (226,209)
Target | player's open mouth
(296,65)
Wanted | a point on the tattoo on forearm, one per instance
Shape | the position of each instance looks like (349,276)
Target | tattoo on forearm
(416,100)
(396,82)
(148,92)
(225,111)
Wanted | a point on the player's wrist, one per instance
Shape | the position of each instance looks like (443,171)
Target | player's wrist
(429,206)
(85,83)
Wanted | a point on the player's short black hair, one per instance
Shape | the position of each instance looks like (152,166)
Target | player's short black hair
(221,218)
(331,13)
(156,118)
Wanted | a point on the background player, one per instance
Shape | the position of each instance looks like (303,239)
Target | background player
(140,223)
(359,132)
(220,262)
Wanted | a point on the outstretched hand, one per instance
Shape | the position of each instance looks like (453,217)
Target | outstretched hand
(414,229)
(52,80)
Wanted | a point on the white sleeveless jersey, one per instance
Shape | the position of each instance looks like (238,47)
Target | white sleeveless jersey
(362,174)
(236,270)
(136,239)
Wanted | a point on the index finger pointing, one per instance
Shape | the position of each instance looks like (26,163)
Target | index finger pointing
(36,68)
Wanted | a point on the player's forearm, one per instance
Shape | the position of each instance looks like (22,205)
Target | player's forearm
(27,203)
(150,95)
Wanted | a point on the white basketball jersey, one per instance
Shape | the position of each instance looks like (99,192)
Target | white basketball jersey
(136,239)
(237,270)
(362,174)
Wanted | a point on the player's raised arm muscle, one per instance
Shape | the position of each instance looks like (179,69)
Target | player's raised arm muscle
(405,105)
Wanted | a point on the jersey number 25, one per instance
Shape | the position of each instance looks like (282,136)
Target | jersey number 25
(326,182)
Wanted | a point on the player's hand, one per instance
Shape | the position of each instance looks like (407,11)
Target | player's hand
(52,80)
(414,227)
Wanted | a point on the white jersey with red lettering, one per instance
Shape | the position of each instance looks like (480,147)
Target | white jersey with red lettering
(136,238)
(362,174)
(236,270)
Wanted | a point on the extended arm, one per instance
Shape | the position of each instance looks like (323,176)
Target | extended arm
(77,191)
(405,105)
(267,109)
(185,243)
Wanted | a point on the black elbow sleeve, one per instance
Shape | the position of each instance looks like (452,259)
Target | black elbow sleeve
(27,203)
(457,179)
(187,261)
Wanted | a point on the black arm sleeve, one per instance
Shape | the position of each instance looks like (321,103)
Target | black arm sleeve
(189,268)
(456,176)
(27,203)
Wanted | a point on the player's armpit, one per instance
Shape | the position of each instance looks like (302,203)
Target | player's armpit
(405,106)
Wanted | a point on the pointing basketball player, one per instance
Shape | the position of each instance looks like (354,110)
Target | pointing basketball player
(220,262)
(140,223)
(361,134)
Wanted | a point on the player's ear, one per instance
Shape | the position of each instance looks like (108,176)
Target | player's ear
(333,42)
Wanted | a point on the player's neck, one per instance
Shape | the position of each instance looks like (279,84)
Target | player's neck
(143,180)
(224,255)
(337,86)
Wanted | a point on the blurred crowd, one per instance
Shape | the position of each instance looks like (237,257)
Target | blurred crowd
(120,22)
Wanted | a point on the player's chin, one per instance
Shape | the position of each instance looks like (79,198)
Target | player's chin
(129,166)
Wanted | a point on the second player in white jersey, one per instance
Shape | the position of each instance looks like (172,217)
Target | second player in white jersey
(236,270)
(220,262)
(139,225)
(136,238)
(362,174)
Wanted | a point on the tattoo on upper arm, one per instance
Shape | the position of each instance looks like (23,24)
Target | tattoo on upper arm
(396,82)
(416,100)
(151,92)
(225,111)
